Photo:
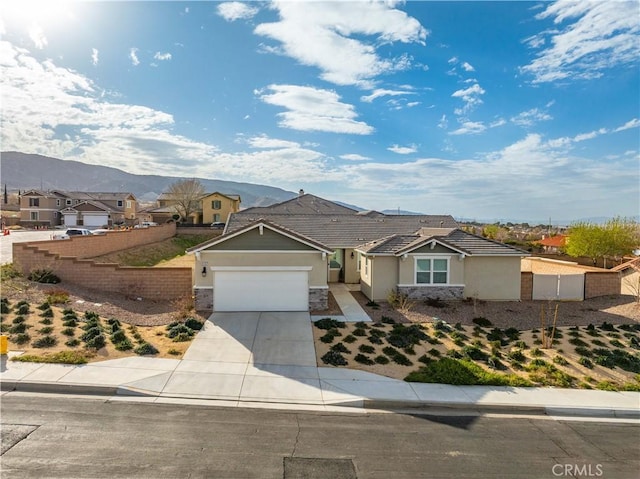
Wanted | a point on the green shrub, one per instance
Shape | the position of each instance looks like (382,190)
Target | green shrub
(454,354)
(365,348)
(4,328)
(96,342)
(516,355)
(586,362)
(512,333)
(402,336)
(145,349)
(616,344)
(494,363)
(180,329)
(18,320)
(431,340)
(496,334)
(43,276)
(68,331)
(434,352)
(396,356)
(584,352)
(174,352)
(373,304)
(424,359)
(409,350)
(23,309)
(607,326)
(46,330)
(458,335)
(387,320)
(91,333)
(597,342)
(44,306)
(350,338)
(361,324)
(362,359)
(607,386)
(45,342)
(328,323)
(340,348)
(124,345)
(118,336)
(62,357)
(182,338)
(535,352)
(21,338)
(91,315)
(375,339)
(330,335)
(359,332)
(72,343)
(381,359)
(377,333)
(440,325)
(57,296)
(334,358)
(482,322)
(475,353)
(578,342)
(193,323)
(458,327)
(70,323)
(4,308)
(46,321)
(560,360)
(462,372)
(18,328)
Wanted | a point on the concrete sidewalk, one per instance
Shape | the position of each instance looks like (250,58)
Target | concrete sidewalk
(301,387)
(352,312)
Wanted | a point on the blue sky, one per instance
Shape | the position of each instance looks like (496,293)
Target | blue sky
(487,110)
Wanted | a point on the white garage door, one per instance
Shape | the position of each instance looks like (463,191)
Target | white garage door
(261,291)
(98,220)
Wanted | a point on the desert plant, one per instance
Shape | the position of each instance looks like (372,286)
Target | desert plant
(516,355)
(340,348)
(193,323)
(365,348)
(70,323)
(72,343)
(57,296)
(45,342)
(482,322)
(329,323)
(18,320)
(18,328)
(330,335)
(145,349)
(96,342)
(586,362)
(20,338)
(118,336)
(44,306)
(334,358)
(46,330)
(375,339)
(359,332)
(396,356)
(362,359)
(46,321)
(381,359)
(350,338)
(23,309)
(475,353)
(43,276)
(616,344)
(180,329)
(182,337)
(68,331)
(560,360)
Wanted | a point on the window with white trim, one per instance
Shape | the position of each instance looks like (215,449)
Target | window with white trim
(366,267)
(432,270)
(34,216)
(216,204)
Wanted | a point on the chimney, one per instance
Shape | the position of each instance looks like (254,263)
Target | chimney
(300,193)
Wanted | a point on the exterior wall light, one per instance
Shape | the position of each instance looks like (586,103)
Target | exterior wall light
(204,271)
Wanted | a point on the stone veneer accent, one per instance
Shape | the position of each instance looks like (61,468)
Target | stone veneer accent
(318,299)
(203,299)
(431,292)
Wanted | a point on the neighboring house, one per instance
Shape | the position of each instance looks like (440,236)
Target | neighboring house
(552,244)
(629,277)
(278,258)
(41,208)
(74,208)
(216,207)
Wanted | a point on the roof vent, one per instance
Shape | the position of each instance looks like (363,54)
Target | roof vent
(334,220)
(301,192)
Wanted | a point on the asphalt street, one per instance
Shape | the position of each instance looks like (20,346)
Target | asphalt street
(19,236)
(77,437)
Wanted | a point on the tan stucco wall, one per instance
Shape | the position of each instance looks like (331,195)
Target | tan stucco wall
(407,269)
(630,282)
(384,271)
(317,275)
(227,206)
(492,278)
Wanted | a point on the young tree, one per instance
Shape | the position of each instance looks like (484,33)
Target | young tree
(616,238)
(186,195)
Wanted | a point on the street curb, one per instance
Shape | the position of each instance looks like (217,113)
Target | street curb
(457,407)
(593,412)
(58,388)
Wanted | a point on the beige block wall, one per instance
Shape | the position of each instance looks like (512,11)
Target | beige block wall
(384,271)
(601,284)
(630,282)
(317,275)
(492,278)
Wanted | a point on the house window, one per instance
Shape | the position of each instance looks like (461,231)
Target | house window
(119,203)
(358,259)
(432,271)
(366,267)
(128,203)
(69,202)
(216,218)
(34,201)
(34,216)
(57,202)
(216,204)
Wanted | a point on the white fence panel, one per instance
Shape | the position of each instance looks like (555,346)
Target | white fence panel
(567,287)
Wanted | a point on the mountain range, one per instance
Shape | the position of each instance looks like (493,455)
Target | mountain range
(22,171)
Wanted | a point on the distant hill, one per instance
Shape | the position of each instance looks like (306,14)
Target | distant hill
(26,171)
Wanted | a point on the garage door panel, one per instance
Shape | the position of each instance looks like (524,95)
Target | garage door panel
(96,220)
(261,291)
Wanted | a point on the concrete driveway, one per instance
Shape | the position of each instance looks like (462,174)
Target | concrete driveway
(283,338)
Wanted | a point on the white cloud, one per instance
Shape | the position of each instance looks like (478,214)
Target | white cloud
(162,56)
(443,123)
(630,124)
(354,157)
(36,34)
(597,35)
(340,38)
(133,56)
(469,128)
(467,67)
(265,142)
(313,109)
(452,60)
(470,96)
(411,104)
(531,117)
(380,92)
(232,11)
(403,150)
(498,122)
(94,56)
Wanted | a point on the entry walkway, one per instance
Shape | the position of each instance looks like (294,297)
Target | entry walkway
(352,312)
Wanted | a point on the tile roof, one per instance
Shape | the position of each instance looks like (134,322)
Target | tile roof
(557,241)
(342,230)
(305,204)
(454,238)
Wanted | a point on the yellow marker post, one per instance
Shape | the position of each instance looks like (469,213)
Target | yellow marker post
(4,344)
